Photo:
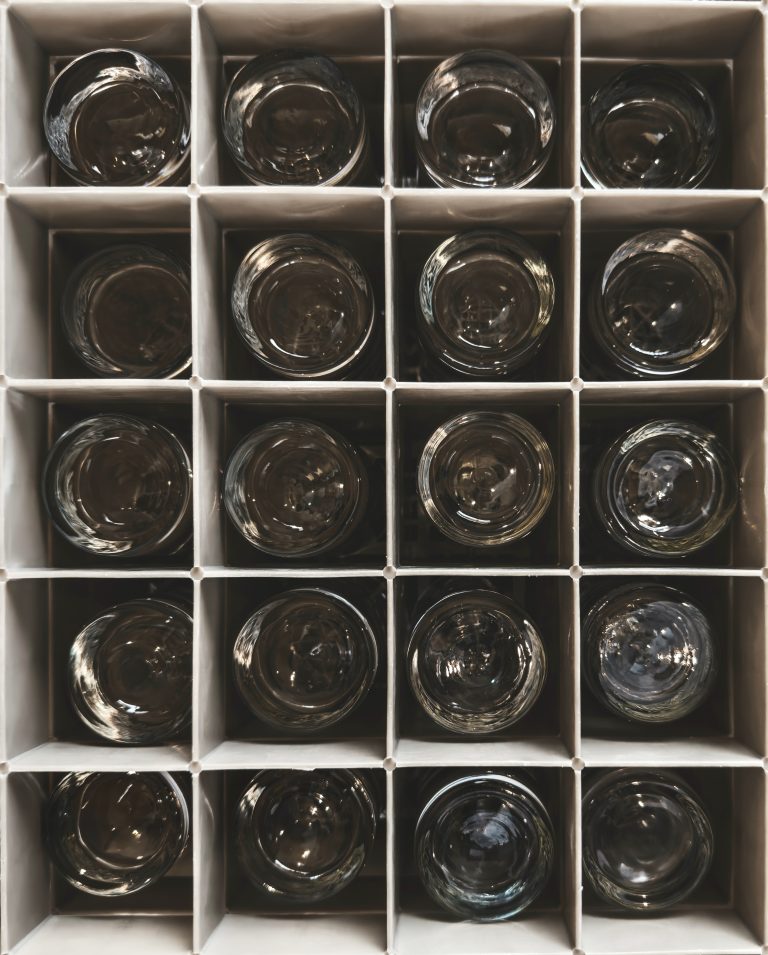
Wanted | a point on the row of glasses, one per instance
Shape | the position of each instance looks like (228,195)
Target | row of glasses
(475,661)
(484,118)
(305,308)
(484,844)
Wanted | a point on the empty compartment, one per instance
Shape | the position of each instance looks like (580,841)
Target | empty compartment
(34,420)
(43,911)
(735,226)
(735,415)
(47,236)
(231,34)
(541,735)
(425,34)
(721,46)
(229,226)
(43,617)
(229,414)
(42,38)
(419,413)
(230,734)
(421,225)
(728,725)
(726,912)
(420,925)
(234,912)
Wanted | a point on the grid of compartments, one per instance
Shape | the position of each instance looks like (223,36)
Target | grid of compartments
(47,590)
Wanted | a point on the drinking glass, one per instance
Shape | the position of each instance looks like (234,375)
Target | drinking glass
(303,306)
(117,118)
(484,118)
(305,660)
(485,301)
(303,836)
(649,127)
(113,834)
(117,485)
(647,839)
(293,118)
(130,672)
(126,312)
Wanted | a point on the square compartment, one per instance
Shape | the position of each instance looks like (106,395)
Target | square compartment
(42,36)
(543,928)
(46,235)
(230,34)
(230,225)
(234,913)
(44,913)
(229,414)
(232,736)
(43,617)
(729,724)
(721,47)
(421,226)
(419,413)
(726,913)
(424,35)
(34,419)
(545,734)
(734,415)
(734,225)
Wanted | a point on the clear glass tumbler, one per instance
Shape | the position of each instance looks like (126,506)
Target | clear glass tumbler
(649,653)
(117,118)
(486,478)
(293,118)
(665,489)
(294,488)
(485,301)
(303,836)
(647,839)
(112,834)
(130,672)
(484,118)
(305,660)
(649,127)
(303,306)
(484,845)
(116,485)
(476,662)
(126,312)
(663,303)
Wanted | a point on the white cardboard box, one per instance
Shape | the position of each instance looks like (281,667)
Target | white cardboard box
(392,43)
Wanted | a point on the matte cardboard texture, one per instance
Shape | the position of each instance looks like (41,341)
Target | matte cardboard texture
(392,221)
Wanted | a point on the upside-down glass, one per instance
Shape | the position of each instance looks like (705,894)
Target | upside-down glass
(485,301)
(294,488)
(663,303)
(649,127)
(126,312)
(484,118)
(130,672)
(476,662)
(666,488)
(649,653)
(305,660)
(647,839)
(117,118)
(293,118)
(303,836)
(484,844)
(117,485)
(303,306)
(113,834)
(486,478)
